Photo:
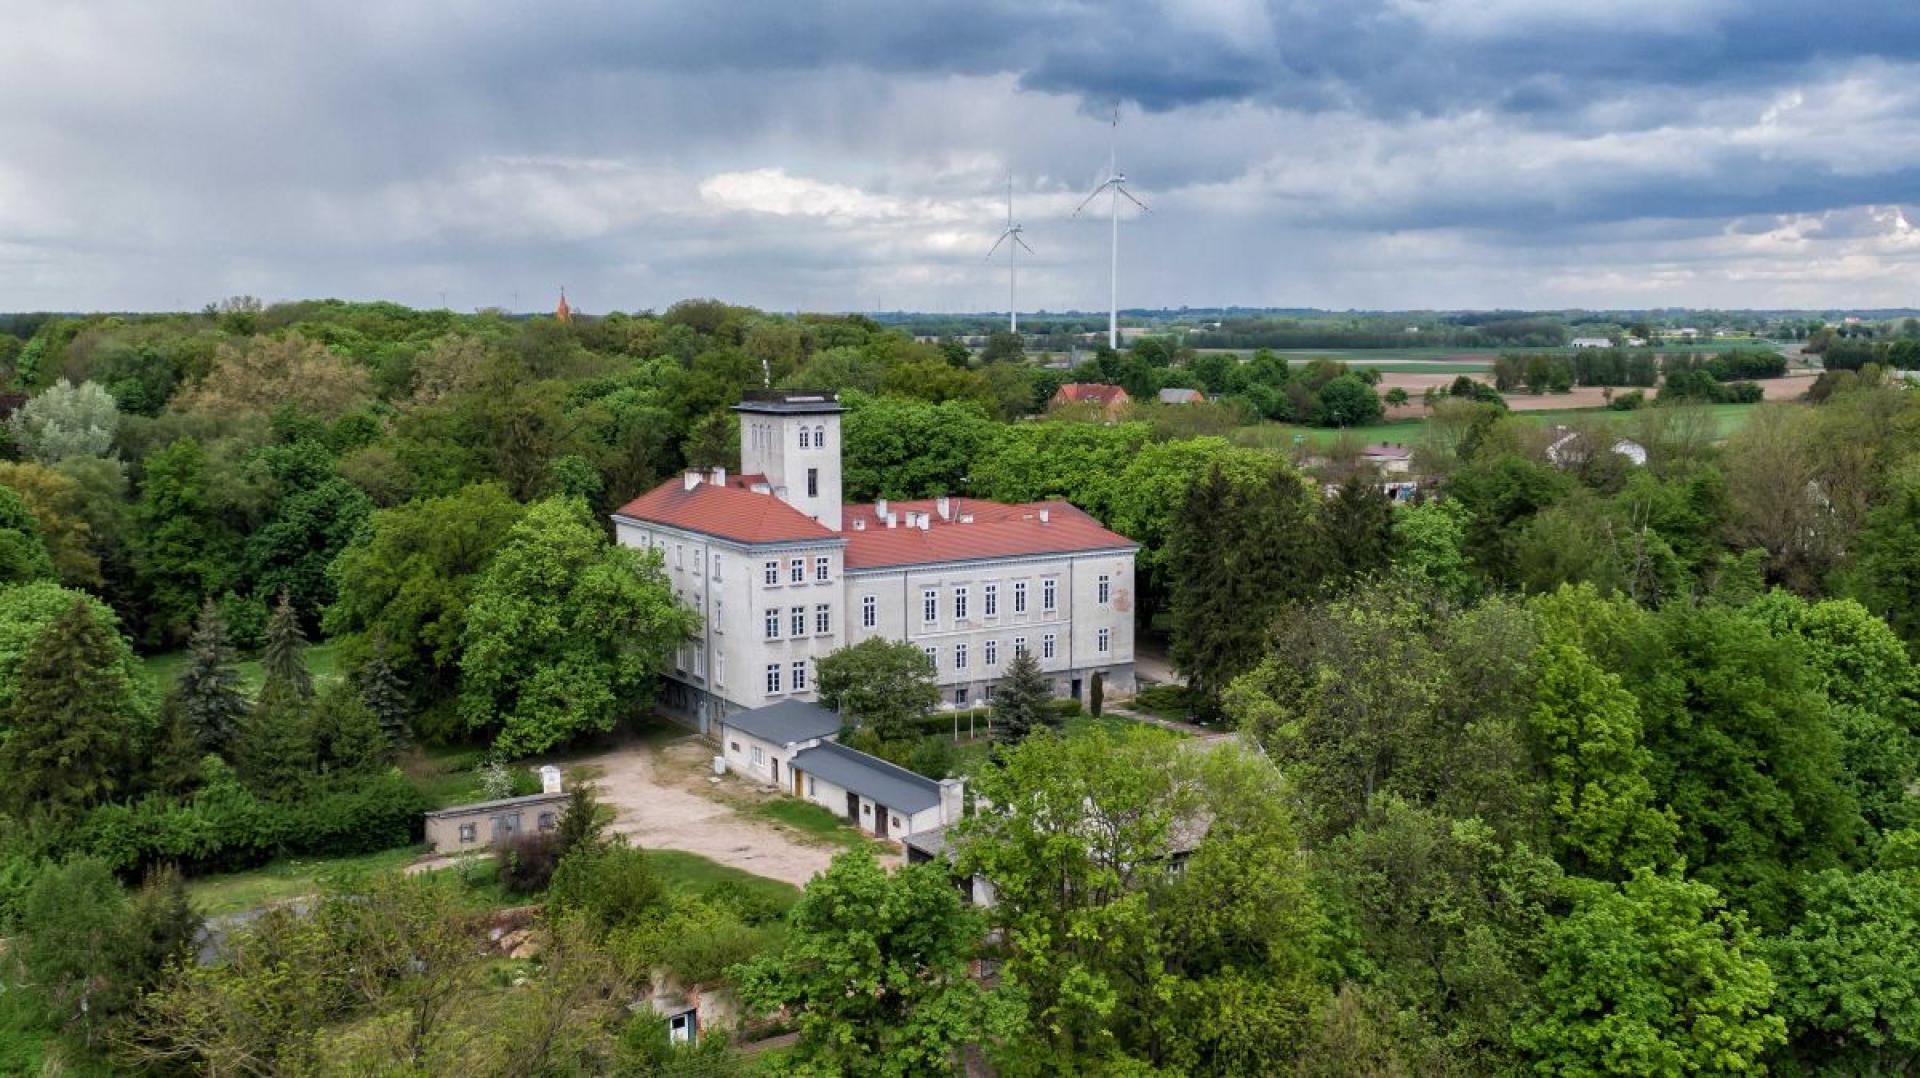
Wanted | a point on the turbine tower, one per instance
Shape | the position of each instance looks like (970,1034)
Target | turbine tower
(1116,187)
(1013,270)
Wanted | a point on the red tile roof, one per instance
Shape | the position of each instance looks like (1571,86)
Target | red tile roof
(1082,392)
(996,530)
(728,512)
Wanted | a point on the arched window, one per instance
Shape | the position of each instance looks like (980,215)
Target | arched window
(819,437)
(803,438)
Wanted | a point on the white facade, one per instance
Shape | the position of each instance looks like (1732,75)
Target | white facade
(1051,605)
(770,610)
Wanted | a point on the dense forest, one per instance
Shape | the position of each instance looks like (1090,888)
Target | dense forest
(1572,765)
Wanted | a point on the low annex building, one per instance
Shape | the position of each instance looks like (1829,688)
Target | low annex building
(782,571)
(791,745)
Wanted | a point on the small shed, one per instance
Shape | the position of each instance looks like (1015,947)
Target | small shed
(491,823)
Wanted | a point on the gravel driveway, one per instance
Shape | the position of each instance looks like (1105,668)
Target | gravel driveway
(666,797)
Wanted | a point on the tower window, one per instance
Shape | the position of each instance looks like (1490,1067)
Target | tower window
(869,612)
(813,482)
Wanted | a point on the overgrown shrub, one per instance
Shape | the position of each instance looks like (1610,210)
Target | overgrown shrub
(527,862)
(613,884)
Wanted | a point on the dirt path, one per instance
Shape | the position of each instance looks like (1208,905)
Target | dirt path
(663,799)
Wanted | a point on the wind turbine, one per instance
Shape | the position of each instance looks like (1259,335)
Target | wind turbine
(1013,270)
(1116,187)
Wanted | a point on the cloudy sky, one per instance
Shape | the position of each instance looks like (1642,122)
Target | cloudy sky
(854,155)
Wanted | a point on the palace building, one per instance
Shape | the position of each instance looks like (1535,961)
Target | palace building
(783,572)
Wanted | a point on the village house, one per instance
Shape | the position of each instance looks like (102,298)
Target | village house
(1182,396)
(1110,401)
(486,824)
(1390,459)
(782,572)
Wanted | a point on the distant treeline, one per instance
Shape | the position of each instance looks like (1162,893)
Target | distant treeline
(1549,373)
(1377,333)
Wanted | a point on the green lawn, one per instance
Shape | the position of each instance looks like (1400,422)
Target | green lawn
(289,877)
(692,874)
(815,821)
(160,671)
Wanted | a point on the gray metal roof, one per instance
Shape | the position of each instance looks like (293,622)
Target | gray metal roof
(785,723)
(933,842)
(790,402)
(869,776)
(489,806)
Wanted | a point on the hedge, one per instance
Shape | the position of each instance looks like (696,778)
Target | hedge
(223,826)
(941,722)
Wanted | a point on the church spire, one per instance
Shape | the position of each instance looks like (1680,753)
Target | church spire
(563,312)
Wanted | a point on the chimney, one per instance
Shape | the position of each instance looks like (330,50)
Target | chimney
(1044,516)
(953,800)
(719,477)
(924,517)
(550,779)
(943,506)
(966,518)
(859,524)
(880,508)
(691,479)
(889,521)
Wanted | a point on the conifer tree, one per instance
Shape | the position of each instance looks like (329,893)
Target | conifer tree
(1023,697)
(385,695)
(72,721)
(1359,526)
(284,654)
(346,734)
(208,692)
(276,756)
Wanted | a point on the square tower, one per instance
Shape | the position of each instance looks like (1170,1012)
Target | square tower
(793,438)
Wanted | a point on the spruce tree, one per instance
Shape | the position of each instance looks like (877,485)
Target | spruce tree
(1359,525)
(72,720)
(1023,698)
(276,757)
(346,734)
(284,655)
(208,692)
(385,695)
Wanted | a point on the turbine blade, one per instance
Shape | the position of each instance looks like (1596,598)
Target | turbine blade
(1130,197)
(1104,184)
(1022,243)
(998,242)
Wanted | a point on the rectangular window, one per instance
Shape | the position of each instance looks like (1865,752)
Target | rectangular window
(823,619)
(679,556)
(759,756)
(1047,595)
(1019,596)
(720,668)
(813,482)
(546,821)
(773,572)
(699,660)
(719,617)
(1019,645)
(933,657)
(680,659)
(798,618)
(822,568)
(716,566)
(1046,646)
(773,677)
(469,832)
(992,599)
(810,790)
(1104,589)
(959,656)
(773,624)
(800,675)
(797,572)
(959,700)
(869,612)
(993,652)
(959,604)
(929,606)
(1104,640)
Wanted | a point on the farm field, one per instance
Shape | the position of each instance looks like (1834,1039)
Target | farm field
(1416,383)
(1727,418)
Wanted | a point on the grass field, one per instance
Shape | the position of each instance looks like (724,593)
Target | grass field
(160,671)
(1376,356)
(814,821)
(1727,418)
(692,874)
(289,877)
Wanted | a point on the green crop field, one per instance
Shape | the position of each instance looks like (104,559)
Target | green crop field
(1727,419)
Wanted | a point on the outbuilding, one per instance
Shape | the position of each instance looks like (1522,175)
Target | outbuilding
(760,743)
